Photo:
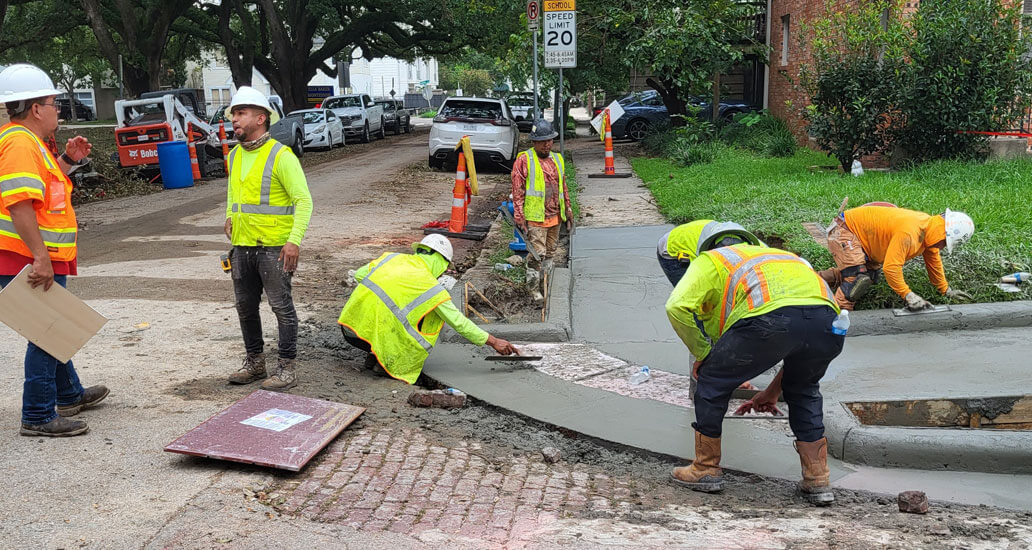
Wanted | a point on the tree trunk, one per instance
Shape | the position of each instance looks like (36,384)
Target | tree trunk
(715,107)
(671,99)
(3,13)
(70,86)
(241,62)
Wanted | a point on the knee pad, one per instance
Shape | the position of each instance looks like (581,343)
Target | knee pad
(856,288)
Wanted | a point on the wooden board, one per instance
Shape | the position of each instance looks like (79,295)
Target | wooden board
(56,320)
(273,429)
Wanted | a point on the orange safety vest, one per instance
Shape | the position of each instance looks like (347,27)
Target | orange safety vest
(757,277)
(28,171)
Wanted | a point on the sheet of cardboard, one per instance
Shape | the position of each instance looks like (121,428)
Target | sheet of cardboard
(55,320)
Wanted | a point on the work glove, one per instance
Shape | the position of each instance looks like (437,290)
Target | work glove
(916,303)
(958,295)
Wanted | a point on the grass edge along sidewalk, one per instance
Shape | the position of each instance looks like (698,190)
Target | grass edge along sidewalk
(774,196)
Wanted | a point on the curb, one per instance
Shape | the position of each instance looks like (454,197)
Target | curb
(961,317)
(949,449)
(558,327)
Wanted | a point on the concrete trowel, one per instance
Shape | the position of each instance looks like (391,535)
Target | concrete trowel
(904,312)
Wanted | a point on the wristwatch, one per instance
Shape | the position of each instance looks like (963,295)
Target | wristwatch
(68,160)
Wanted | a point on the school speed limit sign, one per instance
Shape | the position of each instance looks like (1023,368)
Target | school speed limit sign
(560,24)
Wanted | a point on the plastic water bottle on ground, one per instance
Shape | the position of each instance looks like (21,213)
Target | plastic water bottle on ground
(502,267)
(857,169)
(641,376)
(841,323)
(1015,278)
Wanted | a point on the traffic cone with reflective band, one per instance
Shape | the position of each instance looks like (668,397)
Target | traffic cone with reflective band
(194,166)
(225,147)
(610,169)
(460,197)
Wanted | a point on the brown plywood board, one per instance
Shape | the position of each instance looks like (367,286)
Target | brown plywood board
(56,320)
(278,430)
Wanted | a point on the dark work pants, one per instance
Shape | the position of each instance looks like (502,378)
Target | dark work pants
(257,268)
(801,336)
(673,269)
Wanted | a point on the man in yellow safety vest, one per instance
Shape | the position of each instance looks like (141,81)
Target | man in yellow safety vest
(268,208)
(540,198)
(399,308)
(682,244)
(761,306)
(38,229)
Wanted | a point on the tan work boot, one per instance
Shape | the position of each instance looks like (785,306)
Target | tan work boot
(815,485)
(253,369)
(285,377)
(704,473)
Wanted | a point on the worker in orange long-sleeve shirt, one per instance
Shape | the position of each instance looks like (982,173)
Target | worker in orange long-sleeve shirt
(869,239)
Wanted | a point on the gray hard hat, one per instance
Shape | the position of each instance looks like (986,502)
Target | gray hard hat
(542,131)
(714,232)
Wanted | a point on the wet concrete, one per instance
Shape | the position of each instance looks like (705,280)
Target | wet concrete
(617,307)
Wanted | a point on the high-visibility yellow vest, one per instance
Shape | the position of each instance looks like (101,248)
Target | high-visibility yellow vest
(534,201)
(757,277)
(682,242)
(261,209)
(28,171)
(393,309)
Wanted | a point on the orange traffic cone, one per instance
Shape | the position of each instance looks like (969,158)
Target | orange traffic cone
(225,147)
(460,197)
(193,160)
(610,169)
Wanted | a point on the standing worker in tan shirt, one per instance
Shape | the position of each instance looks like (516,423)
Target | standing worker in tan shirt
(540,198)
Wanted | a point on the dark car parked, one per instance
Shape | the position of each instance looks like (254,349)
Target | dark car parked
(396,116)
(645,110)
(82,111)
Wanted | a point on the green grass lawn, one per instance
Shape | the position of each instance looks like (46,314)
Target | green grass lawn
(773,196)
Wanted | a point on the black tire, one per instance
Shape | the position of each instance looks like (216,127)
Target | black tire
(637,129)
(299,146)
(382,134)
(397,126)
(436,164)
(408,125)
(366,138)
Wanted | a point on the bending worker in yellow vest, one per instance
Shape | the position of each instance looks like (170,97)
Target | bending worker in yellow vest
(682,244)
(268,208)
(761,306)
(540,198)
(399,308)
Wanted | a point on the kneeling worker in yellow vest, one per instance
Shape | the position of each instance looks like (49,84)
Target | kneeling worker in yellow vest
(268,208)
(399,308)
(761,306)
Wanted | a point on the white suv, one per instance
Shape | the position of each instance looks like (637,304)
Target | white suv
(489,124)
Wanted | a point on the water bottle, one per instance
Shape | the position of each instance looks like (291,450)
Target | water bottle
(841,324)
(641,376)
(502,267)
(1015,278)
(857,169)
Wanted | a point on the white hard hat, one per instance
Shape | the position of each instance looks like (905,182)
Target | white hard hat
(247,95)
(959,228)
(437,243)
(22,81)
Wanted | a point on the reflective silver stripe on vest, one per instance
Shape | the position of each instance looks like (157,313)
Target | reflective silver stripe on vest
(35,139)
(532,176)
(402,314)
(23,181)
(49,237)
(267,172)
(264,209)
(232,155)
(730,255)
(748,272)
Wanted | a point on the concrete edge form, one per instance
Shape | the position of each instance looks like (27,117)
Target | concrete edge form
(961,317)
(557,327)
(949,449)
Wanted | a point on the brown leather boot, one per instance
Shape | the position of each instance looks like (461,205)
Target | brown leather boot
(815,485)
(285,377)
(253,369)
(704,473)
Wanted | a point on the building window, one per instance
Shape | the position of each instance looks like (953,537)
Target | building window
(786,23)
(220,96)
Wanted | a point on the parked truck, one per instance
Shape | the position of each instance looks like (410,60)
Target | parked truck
(361,116)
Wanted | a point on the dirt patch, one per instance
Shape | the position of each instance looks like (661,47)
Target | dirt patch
(772,241)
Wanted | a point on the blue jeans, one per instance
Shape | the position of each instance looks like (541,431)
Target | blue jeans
(799,335)
(673,269)
(48,382)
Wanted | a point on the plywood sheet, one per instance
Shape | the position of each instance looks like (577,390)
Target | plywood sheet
(271,429)
(55,320)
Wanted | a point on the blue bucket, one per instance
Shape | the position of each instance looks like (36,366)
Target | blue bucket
(174,161)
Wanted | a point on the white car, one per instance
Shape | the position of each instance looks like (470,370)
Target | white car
(489,124)
(323,128)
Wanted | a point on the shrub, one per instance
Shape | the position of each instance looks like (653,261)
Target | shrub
(761,132)
(968,63)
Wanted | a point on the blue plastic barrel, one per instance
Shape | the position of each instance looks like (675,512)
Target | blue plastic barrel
(174,161)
